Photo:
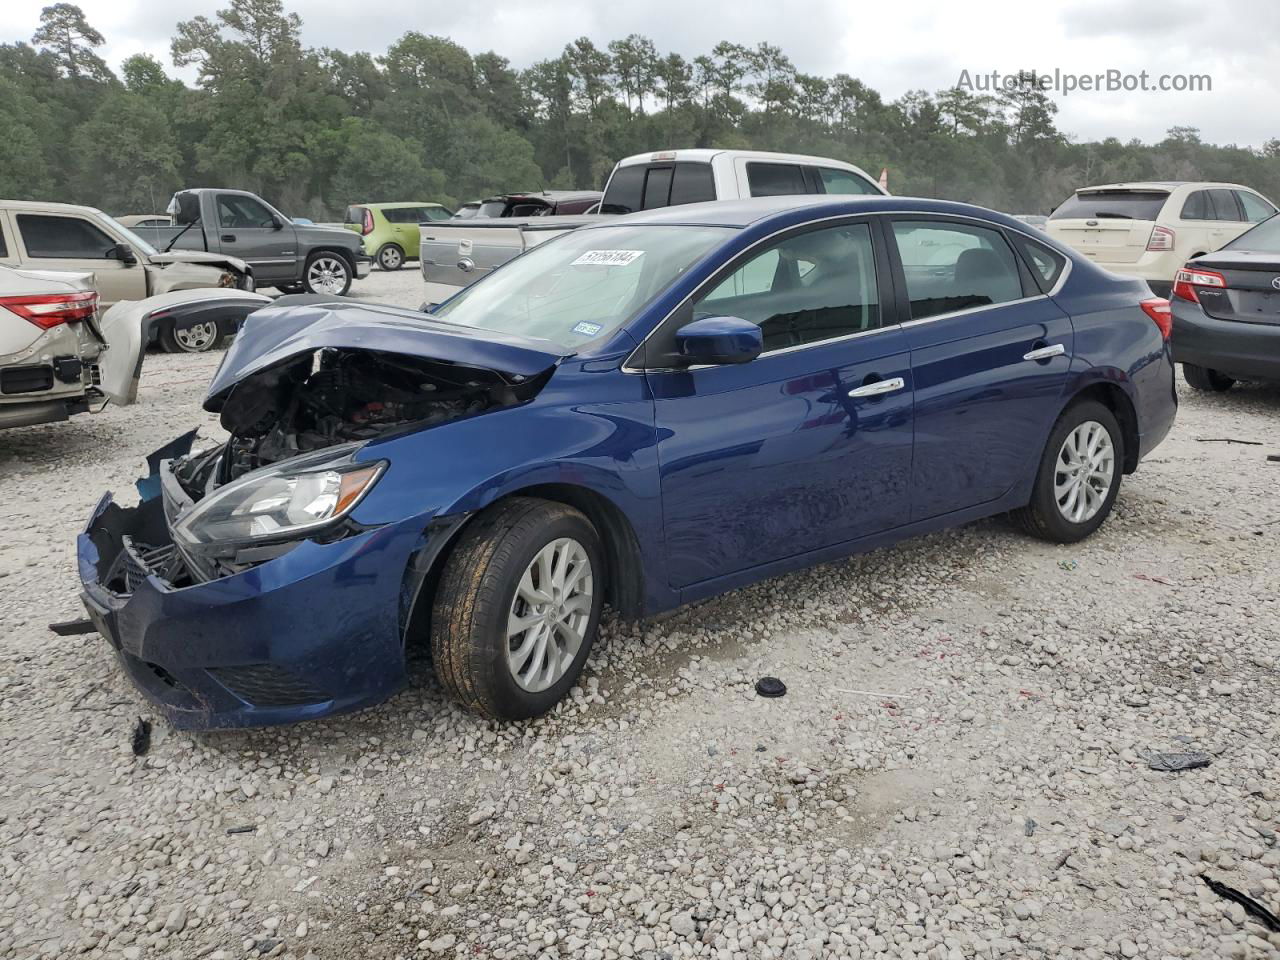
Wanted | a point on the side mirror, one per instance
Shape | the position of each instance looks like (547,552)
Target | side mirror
(276,223)
(124,253)
(719,340)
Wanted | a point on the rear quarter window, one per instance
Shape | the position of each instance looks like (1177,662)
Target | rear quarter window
(1046,263)
(1117,204)
(776,180)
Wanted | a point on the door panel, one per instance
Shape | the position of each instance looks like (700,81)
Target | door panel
(65,242)
(244,229)
(982,410)
(777,457)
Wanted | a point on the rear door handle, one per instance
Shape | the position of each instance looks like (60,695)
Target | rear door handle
(228,238)
(878,387)
(1045,353)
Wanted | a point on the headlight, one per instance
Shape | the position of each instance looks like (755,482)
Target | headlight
(284,502)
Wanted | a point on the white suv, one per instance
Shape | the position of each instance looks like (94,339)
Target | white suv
(1149,230)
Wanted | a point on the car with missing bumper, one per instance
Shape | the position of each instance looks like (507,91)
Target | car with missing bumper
(643,413)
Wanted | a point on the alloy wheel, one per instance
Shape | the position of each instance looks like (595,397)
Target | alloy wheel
(1085,468)
(389,259)
(327,275)
(196,338)
(549,615)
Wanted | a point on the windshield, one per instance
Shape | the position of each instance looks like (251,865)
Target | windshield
(1115,204)
(584,284)
(129,235)
(1264,238)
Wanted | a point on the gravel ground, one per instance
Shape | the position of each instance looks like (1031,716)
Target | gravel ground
(957,769)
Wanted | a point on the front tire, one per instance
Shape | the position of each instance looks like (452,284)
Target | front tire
(1078,478)
(517,608)
(390,257)
(328,274)
(1203,378)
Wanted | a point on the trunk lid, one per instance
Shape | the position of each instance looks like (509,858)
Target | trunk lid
(277,334)
(1252,293)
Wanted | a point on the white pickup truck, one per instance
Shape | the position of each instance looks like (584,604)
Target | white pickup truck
(456,253)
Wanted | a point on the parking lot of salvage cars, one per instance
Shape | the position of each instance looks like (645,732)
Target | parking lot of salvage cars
(961,765)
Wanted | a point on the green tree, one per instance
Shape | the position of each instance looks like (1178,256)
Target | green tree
(132,167)
(65,31)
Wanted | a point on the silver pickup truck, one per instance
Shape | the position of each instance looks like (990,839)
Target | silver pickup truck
(456,253)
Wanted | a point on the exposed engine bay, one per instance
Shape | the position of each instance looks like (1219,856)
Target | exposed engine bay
(338,395)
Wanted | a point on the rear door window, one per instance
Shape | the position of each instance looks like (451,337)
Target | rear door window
(63,238)
(1112,204)
(776,179)
(692,183)
(950,267)
(625,190)
(657,187)
(844,182)
(1224,205)
(1255,208)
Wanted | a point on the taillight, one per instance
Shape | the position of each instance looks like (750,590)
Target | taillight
(367,227)
(50,309)
(1157,308)
(1161,239)
(1188,278)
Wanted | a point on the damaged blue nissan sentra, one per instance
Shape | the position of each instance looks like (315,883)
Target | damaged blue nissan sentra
(644,413)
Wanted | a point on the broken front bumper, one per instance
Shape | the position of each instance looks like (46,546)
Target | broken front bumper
(314,632)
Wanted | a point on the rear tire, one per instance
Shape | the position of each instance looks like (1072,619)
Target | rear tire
(1089,427)
(390,257)
(508,560)
(1203,378)
(200,338)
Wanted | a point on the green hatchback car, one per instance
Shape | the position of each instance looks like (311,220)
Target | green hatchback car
(390,230)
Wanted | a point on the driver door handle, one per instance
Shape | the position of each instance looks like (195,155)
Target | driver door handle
(228,238)
(878,387)
(1045,353)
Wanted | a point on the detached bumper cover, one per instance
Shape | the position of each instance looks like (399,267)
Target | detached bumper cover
(314,632)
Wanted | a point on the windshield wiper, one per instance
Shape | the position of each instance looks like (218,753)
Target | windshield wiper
(178,235)
(1105,215)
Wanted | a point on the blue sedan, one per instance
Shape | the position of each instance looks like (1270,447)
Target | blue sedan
(641,413)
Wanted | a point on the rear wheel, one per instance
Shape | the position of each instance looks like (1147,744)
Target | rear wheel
(390,257)
(517,608)
(1202,378)
(196,338)
(1079,475)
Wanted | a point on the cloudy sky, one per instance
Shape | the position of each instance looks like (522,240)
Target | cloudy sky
(890,45)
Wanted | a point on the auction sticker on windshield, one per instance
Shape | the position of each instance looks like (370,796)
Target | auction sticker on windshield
(607,258)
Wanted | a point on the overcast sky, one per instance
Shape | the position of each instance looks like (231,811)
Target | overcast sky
(890,45)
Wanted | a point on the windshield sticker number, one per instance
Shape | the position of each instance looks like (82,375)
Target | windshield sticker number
(607,258)
(588,329)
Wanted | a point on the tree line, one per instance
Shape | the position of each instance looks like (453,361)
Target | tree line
(313,130)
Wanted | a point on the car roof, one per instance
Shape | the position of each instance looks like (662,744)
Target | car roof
(1165,185)
(47,206)
(744,213)
(396,204)
(706,154)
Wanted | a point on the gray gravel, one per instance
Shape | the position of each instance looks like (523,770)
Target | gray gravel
(957,770)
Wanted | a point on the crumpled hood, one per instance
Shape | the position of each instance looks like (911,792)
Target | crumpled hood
(276,334)
(201,257)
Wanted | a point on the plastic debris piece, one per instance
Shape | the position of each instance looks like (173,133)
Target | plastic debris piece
(141,737)
(73,628)
(1029,827)
(1173,762)
(245,828)
(1068,564)
(770,687)
(1252,907)
(1247,443)
(1154,579)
